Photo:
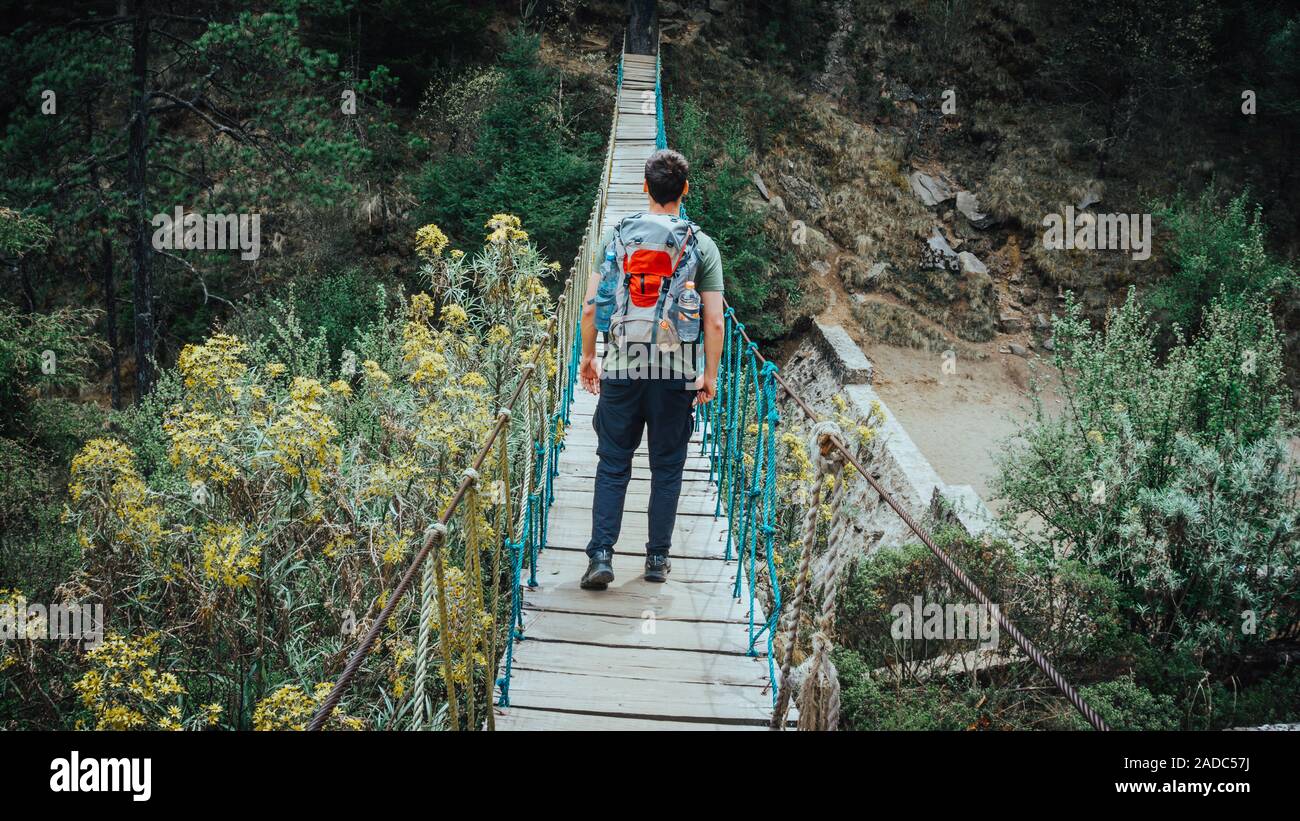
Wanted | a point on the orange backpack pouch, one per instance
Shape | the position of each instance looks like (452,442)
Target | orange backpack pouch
(646,270)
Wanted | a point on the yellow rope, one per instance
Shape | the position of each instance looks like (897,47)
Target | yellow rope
(444,634)
(504,532)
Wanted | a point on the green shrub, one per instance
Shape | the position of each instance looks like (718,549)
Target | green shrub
(1126,705)
(1169,478)
(522,161)
(1218,253)
(758,278)
(869,704)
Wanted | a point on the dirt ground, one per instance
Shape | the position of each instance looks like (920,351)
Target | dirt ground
(959,420)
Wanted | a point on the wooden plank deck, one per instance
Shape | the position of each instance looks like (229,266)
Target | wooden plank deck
(636,656)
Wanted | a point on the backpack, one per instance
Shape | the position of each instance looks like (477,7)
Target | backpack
(647,266)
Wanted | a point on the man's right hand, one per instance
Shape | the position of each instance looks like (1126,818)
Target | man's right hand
(589,374)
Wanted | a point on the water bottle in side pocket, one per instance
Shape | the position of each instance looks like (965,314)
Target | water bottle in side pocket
(687,313)
(604,298)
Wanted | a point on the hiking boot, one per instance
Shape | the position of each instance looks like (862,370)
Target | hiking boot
(600,570)
(657,567)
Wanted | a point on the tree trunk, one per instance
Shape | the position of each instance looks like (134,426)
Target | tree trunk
(642,26)
(110,315)
(107,274)
(136,168)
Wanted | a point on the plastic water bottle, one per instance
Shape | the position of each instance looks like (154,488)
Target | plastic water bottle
(604,299)
(688,313)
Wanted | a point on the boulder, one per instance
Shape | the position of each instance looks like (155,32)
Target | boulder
(930,190)
(1011,322)
(970,264)
(802,191)
(939,245)
(968,205)
(1018,350)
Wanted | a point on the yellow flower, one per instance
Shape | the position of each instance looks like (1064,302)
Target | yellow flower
(215,366)
(375,375)
(454,315)
(291,708)
(302,438)
(505,227)
(341,387)
(229,557)
(110,502)
(123,689)
(430,242)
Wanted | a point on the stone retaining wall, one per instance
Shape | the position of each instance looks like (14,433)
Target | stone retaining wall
(829,362)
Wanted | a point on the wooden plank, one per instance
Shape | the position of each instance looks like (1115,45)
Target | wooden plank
(701,538)
(585,467)
(693,487)
(645,663)
(629,569)
(526,719)
(613,631)
(696,488)
(610,695)
(633,597)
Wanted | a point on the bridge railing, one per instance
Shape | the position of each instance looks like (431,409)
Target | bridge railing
(520,457)
(743,462)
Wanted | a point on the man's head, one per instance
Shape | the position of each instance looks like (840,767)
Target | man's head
(665,176)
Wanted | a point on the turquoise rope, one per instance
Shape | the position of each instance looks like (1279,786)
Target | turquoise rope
(661,136)
(516,619)
(769,517)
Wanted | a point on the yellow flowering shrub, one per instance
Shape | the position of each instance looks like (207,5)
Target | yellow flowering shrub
(291,708)
(430,242)
(109,502)
(466,631)
(302,437)
(230,558)
(124,690)
(505,228)
(286,493)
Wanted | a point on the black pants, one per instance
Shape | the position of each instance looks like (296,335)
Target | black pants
(664,408)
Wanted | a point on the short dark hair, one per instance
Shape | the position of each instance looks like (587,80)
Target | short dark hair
(665,175)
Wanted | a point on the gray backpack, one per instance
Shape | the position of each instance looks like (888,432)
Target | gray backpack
(650,272)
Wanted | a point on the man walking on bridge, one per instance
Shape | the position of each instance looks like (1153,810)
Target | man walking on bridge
(657,293)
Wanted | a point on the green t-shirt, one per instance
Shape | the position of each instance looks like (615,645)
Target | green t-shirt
(708,277)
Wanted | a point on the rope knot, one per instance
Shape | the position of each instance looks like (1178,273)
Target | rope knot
(504,413)
(822,443)
(437,529)
(471,474)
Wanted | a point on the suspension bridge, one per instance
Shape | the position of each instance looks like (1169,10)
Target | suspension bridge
(713,648)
